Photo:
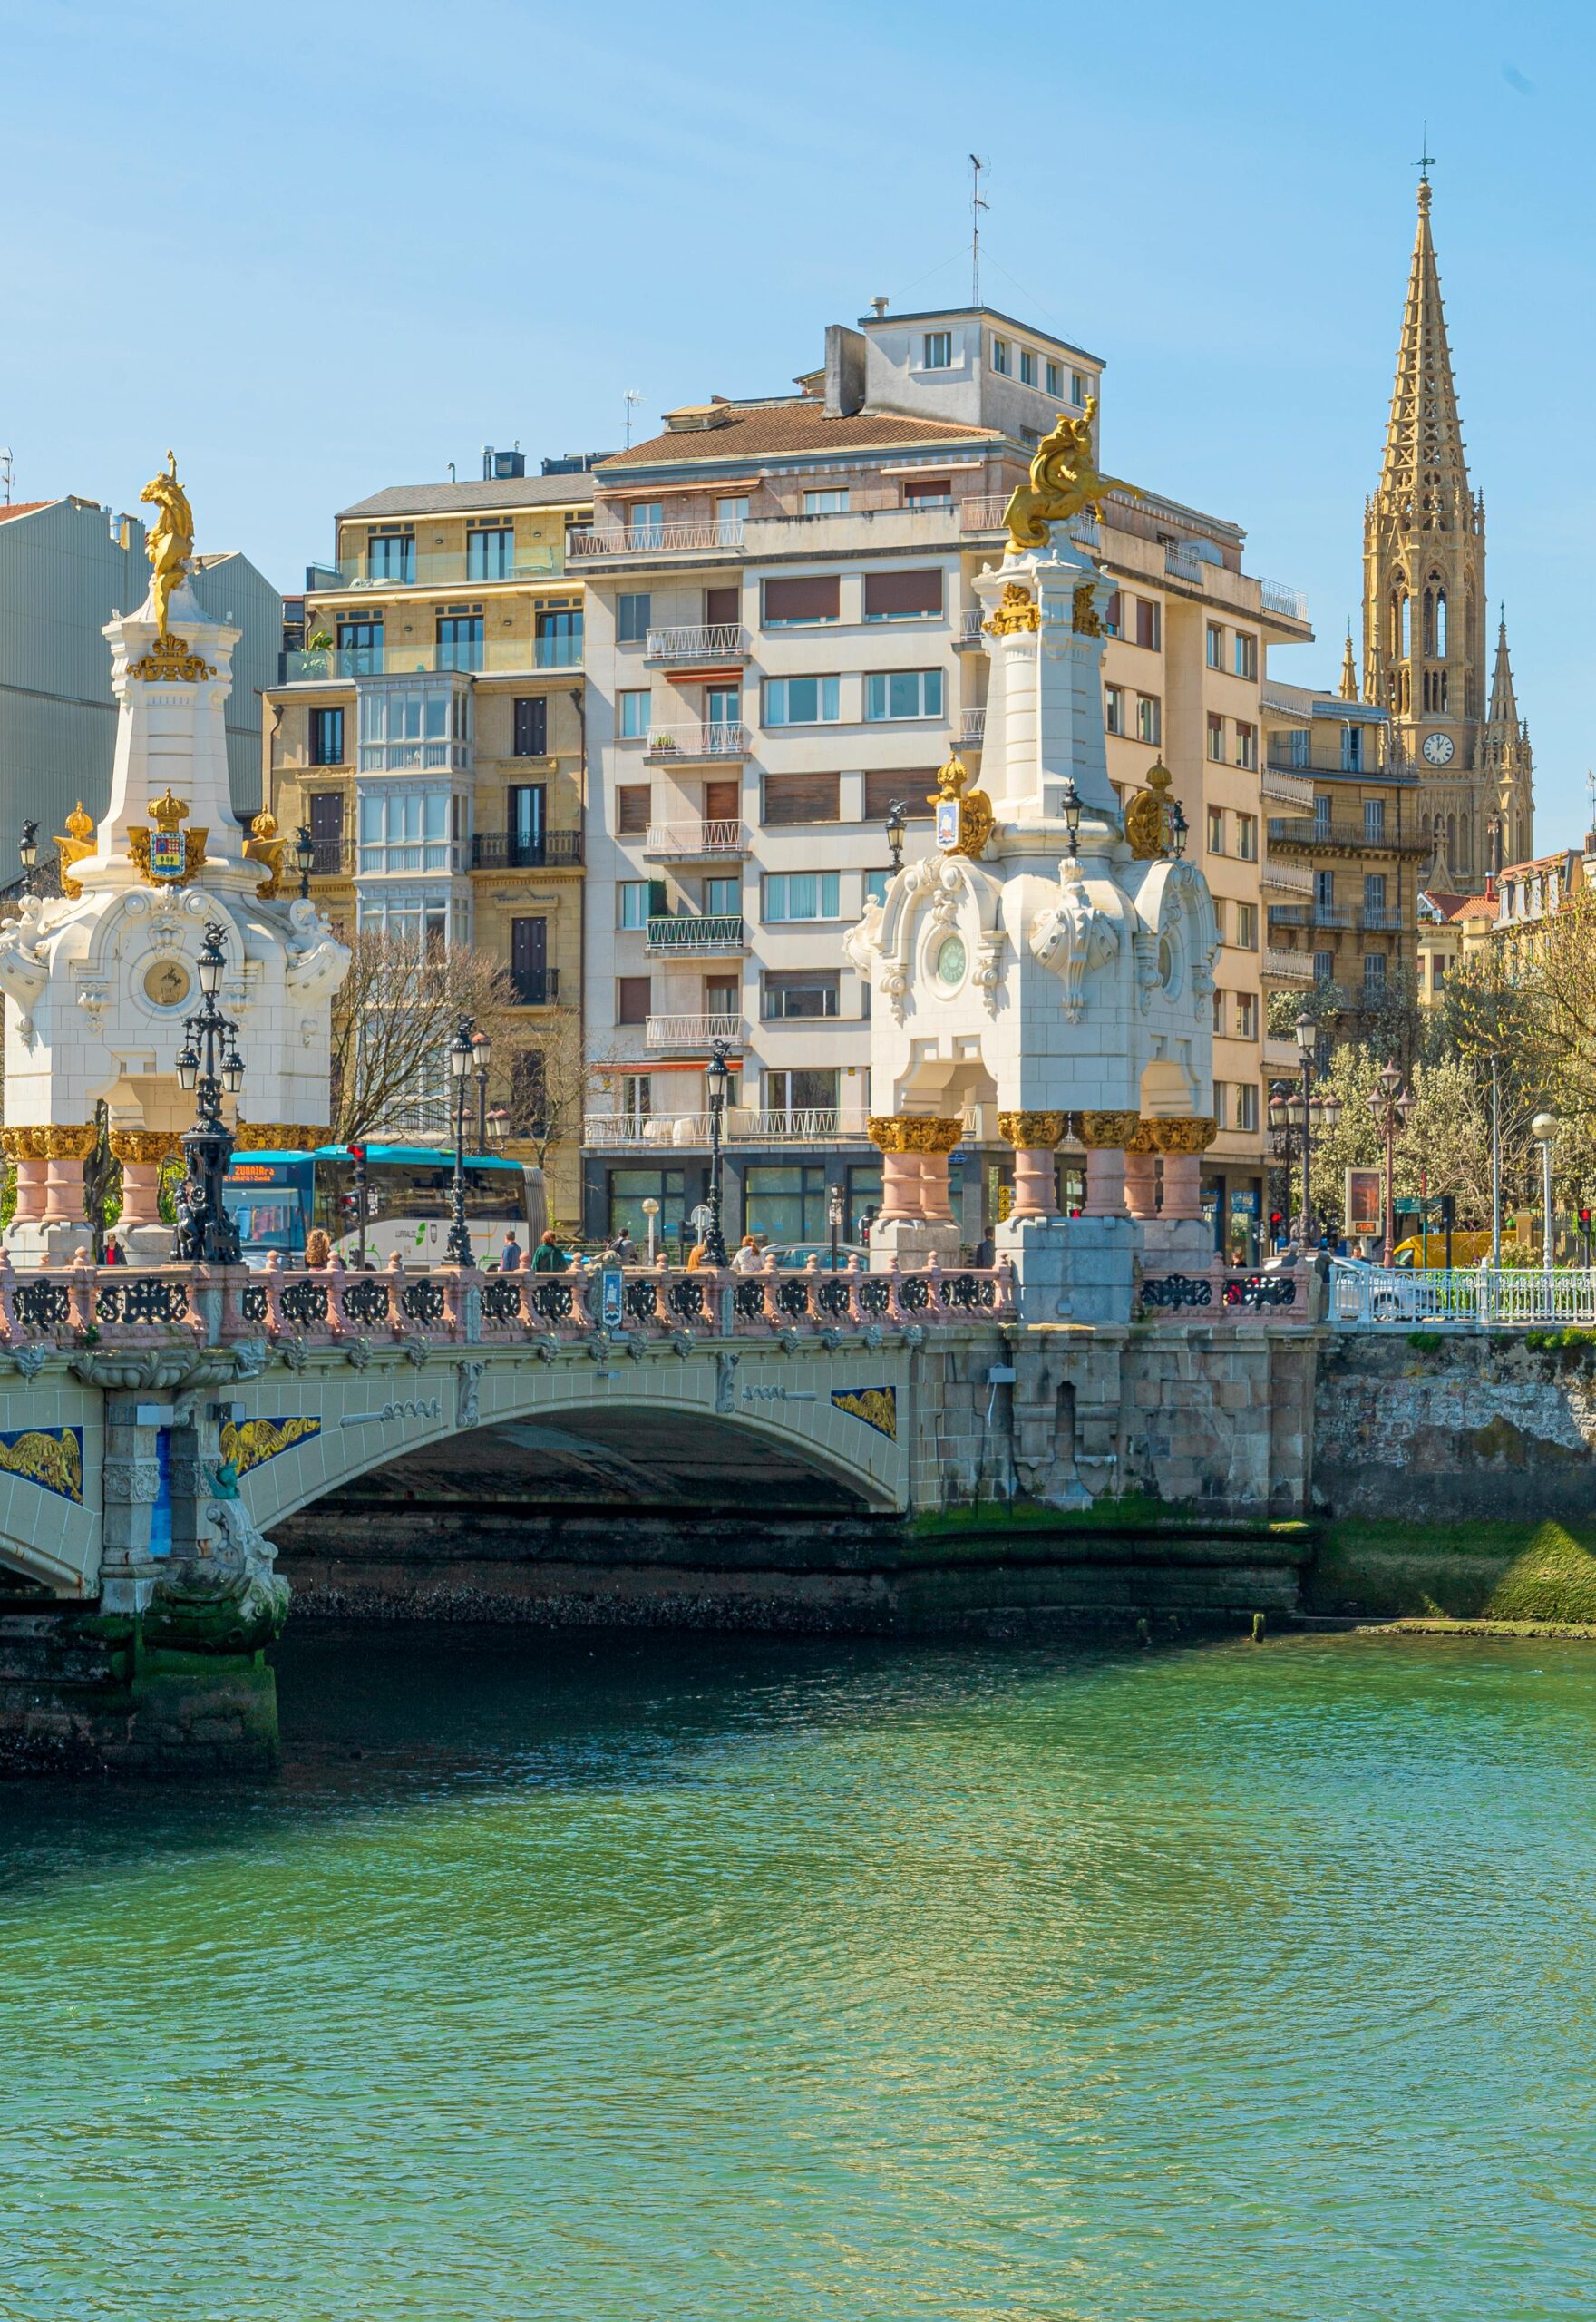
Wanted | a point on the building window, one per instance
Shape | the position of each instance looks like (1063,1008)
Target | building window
(1027,367)
(460,641)
(421,923)
(1438,971)
(801,701)
(795,993)
(1148,623)
(903,693)
(526,802)
(875,886)
(634,715)
(530,726)
(1222,1104)
(391,557)
(1351,749)
(730,516)
(1374,973)
(632,804)
(801,894)
(1079,387)
(1245,744)
(1000,357)
(633,612)
(1114,709)
(1216,738)
(1149,718)
(489,555)
(1246,927)
(634,898)
(1374,898)
(1324,889)
(1216,646)
(802,603)
(360,648)
(559,644)
(1216,829)
(1113,614)
(928,491)
(788,1202)
(832,501)
(1219,916)
(528,962)
(1056,379)
(408,728)
(1246,661)
(723,898)
(903,596)
(887,787)
(1218,1015)
(633,999)
(1246,1105)
(1321,814)
(646,523)
(937,351)
(1296,745)
(1374,822)
(1246,1014)
(1324,967)
(1247,837)
(327,738)
(407,828)
(791,799)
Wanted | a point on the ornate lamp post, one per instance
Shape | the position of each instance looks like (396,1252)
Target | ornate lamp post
(1071,799)
(205,1231)
(304,856)
(1392,1114)
(1285,1108)
(27,851)
(1309,1112)
(835,1220)
(483,1051)
(457,1249)
(897,825)
(1543,1129)
(719,1080)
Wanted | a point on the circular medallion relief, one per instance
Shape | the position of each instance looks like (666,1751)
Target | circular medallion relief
(167,983)
(951,960)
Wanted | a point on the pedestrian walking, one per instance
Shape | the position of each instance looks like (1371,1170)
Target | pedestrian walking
(510,1256)
(747,1258)
(549,1257)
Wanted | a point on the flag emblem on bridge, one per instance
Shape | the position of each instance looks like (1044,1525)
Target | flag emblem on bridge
(261,1440)
(876,1406)
(53,1462)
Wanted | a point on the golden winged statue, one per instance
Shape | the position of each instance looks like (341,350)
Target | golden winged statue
(1065,478)
(170,544)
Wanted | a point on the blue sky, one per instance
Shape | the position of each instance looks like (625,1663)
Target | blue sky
(325,252)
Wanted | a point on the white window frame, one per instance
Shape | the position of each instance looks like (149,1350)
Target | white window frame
(1002,358)
(828,500)
(878,686)
(784,892)
(775,697)
(633,705)
(936,350)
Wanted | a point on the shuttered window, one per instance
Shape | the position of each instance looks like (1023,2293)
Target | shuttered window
(801,798)
(912,786)
(631,809)
(532,726)
(795,603)
(902,596)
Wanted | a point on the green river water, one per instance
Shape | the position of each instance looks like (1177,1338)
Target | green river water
(714,1979)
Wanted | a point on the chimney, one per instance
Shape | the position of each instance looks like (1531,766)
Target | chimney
(879,305)
(844,370)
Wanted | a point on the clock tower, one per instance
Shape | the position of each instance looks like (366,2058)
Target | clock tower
(1424,601)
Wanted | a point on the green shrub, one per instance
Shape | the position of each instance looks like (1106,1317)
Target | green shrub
(1426,1342)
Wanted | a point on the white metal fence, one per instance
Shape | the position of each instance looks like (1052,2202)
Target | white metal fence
(1487,1297)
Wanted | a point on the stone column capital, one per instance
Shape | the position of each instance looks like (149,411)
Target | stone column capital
(1032,1132)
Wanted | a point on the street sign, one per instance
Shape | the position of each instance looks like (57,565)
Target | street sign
(702,1218)
(613,1288)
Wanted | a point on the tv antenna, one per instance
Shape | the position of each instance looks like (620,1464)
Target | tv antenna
(6,467)
(977,204)
(634,397)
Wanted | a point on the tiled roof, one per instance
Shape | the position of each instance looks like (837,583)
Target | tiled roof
(23,508)
(1444,903)
(800,424)
(1477,907)
(461,499)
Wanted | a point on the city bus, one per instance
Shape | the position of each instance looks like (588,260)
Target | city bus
(277,1199)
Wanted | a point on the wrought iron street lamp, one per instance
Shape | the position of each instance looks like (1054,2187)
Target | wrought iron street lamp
(1392,1112)
(457,1248)
(718,1078)
(483,1050)
(835,1220)
(1071,799)
(1309,1112)
(1179,829)
(897,825)
(304,856)
(28,854)
(1543,1129)
(208,1064)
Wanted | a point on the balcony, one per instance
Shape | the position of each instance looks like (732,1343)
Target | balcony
(986,515)
(967,638)
(697,740)
(695,842)
(494,656)
(741,1127)
(457,568)
(1288,967)
(549,851)
(1281,1056)
(1287,878)
(1280,596)
(716,535)
(335,859)
(663,1033)
(1310,914)
(535,987)
(717,642)
(972,729)
(694,934)
(1286,787)
(1309,831)
(1380,918)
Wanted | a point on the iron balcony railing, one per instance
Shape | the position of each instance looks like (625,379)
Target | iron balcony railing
(492,657)
(718,737)
(1311,830)
(1281,597)
(1288,967)
(972,727)
(535,987)
(334,859)
(683,933)
(655,539)
(503,851)
(694,1031)
(1490,1297)
(682,842)
(814,1126)
(1380,918)
(393,568)
(718,641)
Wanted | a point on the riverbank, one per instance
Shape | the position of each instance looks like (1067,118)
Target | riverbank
(1487,1572)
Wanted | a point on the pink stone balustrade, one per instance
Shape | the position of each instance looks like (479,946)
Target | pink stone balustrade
(1223,1294)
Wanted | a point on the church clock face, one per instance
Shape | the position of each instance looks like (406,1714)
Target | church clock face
(167,983)
(1438,749)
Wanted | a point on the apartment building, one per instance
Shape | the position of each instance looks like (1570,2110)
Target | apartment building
(1517,902)
(782,642)
(1342,866)
(430,733)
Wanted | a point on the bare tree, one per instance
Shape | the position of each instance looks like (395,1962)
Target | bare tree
(545,1084)
(392,1025)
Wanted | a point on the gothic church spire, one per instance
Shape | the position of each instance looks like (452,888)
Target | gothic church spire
(1425,475)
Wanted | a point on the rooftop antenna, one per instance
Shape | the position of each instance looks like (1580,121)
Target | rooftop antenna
(977,204)
(634,397)
(6,472)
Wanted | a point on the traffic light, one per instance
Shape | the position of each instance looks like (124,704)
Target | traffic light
(1448,1211)
(357,1153)
(1585,1233)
